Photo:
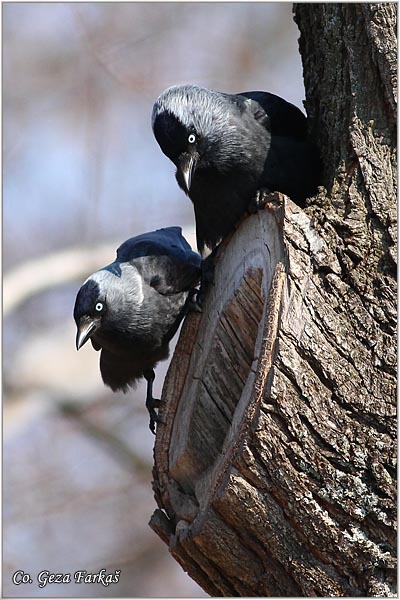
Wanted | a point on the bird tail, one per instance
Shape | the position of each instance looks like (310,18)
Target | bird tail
(118,373)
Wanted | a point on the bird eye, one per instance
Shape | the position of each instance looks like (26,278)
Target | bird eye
(191,138)
(99,306)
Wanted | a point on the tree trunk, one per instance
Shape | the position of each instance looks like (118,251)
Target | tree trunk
(275,467)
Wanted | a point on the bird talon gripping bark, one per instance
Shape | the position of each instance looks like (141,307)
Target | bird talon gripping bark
(259,201)
(196,304)
(193,301)
(152,424)
(151,405)
(154,418)
(207,279)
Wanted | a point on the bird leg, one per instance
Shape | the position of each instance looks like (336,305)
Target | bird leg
(207,276)
(259,201)
(151,403)
(208,268)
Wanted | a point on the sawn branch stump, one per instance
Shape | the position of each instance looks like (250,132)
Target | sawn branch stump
(274,466)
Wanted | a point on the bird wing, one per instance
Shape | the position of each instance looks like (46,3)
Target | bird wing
(168,239)
(164,259)
(284,119)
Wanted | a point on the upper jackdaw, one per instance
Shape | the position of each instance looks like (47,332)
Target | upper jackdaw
(229,147)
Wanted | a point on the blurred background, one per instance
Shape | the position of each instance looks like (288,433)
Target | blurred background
(82,173)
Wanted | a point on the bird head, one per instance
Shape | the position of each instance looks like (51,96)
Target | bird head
(107,304)
(197,129)
(89,311)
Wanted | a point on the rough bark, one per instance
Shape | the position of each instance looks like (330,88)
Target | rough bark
(275,469)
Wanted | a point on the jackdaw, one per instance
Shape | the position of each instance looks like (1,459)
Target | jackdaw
(132,308)
(230,150)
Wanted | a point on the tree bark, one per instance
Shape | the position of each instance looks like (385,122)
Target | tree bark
(275,468)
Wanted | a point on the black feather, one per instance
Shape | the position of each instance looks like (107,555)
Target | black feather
(285,118)
(163,258)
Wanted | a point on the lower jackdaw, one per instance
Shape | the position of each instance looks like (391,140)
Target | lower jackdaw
(132,308)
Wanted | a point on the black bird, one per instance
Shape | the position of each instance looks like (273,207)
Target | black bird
(229,147)
(132,308)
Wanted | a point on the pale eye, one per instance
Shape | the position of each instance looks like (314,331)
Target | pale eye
(99,306)
(191,138)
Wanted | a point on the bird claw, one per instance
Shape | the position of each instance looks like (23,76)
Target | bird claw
(193,302)
(195,305)
(154,418)
(197,296)
(197,299)
(151,405)
(152,425)
(201,296)
(259,201)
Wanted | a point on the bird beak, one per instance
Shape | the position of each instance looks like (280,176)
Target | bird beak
(87,326)
(187,166)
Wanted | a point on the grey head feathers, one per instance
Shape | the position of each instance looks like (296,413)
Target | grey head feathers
(195,107)
(121,285)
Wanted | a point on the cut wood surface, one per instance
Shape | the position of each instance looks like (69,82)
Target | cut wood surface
(274,466)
